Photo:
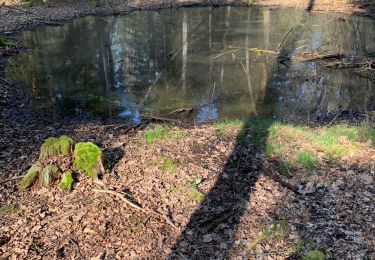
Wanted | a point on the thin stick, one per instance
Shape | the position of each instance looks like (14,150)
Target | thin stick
(283,40)
(337,115)
(278,179)
(159,118)
(77,246)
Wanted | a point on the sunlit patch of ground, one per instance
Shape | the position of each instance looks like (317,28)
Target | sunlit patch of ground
(215,171)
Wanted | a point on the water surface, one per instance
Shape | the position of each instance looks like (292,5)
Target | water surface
(157,62)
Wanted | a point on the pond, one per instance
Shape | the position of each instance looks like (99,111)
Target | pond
(226,62)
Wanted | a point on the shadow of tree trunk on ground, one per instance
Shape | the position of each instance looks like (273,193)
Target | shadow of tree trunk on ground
(221,210)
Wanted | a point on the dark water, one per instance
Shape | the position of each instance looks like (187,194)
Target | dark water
(156,62)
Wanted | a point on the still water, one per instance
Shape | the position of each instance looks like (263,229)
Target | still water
(157,62)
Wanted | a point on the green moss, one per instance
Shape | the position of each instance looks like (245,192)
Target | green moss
(31,176)
(66,182)
(314,255)
(168,164)
(53,146)
(8,209)
(87,158)
(6,43)
(195,196)
(49,174)
(306,159)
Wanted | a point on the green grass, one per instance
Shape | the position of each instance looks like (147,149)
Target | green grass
(306,159)
(287,141)
(194,195)
(160,133)
(168,164)
(277,230)
(229,125)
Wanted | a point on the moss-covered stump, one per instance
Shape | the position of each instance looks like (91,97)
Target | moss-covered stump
(31,176)
(88,158)
(56,146)
(66,182)
(49,175)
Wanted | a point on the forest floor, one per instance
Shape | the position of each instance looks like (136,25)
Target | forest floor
(210,193)
(205,192)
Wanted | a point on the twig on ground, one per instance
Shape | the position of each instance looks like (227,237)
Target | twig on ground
(77,246)
(63,215)
(278,179)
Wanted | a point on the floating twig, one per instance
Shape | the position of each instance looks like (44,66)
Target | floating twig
(283,40)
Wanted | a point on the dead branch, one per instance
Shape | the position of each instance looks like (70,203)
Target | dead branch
(63,215)
(77,246)
(181,110)
(279,180)
(159,118)
(283,40)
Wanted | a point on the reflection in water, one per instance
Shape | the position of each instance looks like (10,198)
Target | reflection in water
(156,62)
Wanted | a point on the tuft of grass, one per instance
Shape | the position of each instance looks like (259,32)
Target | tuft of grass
(8,209)
(168,164)
(228,126)
(277,230)
(366,133)
(195,196)
(160,133)
(314,255)
(306,159)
